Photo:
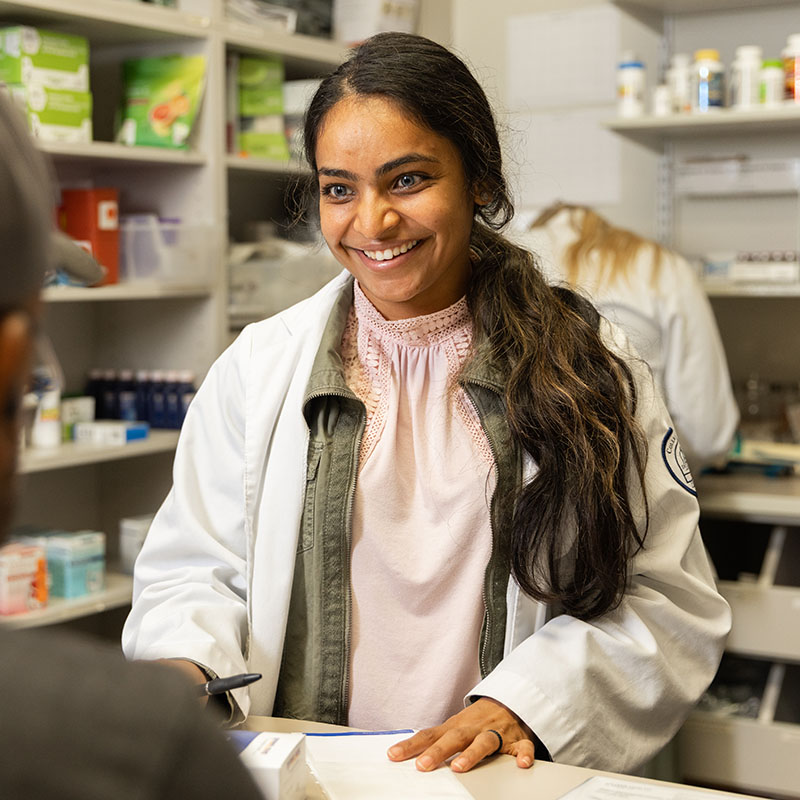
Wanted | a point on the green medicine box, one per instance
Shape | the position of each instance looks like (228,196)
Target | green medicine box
(260,85)
(56,115)
(31,56)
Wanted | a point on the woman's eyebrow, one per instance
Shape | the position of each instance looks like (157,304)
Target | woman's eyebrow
(410,158)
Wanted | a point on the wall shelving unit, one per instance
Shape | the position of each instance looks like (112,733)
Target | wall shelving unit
(751,523)
(146,325)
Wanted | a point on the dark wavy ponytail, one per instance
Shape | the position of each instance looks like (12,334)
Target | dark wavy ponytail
(570,400)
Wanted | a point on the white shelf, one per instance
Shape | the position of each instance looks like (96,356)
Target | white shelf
(116,594)
(73,454)
(306,53)
(698,6)
(113,153)
(755,498)
(122,291)
(727,120)
(108,22)
(256,165)
(724,289)
(740,753)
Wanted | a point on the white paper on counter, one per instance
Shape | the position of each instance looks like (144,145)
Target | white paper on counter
(603,788)
(354,766)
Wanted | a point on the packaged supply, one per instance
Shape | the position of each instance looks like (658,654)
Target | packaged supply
(23,578)
(771,89)
(110,432)
(55,115)
(679,80)
(262,14)
(356,20)
(791,68)
(296,97)
(75,409)
(35,57)
(161,98)
(132,533)
(708,81)
(261,131)
(75,562)
(91,217)
(745,77)
(630,86)
(165,250)
(276,761)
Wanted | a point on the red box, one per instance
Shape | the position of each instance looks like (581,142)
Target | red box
(91,217)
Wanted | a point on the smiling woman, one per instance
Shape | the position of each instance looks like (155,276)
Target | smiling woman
(432,495)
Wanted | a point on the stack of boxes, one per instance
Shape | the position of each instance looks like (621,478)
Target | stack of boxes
(42,564)
(48,74)
(260,109)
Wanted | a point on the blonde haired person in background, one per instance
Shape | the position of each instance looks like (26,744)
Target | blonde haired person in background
(654,295)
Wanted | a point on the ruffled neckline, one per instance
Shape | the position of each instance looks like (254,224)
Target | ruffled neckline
(415,331)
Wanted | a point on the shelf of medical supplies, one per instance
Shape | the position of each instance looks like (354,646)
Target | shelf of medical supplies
(113,153)
(108,21)
(123,291)
(741,753)
(74,454)
(300,53)
(754,498)
(116,594)
(247,164)
(730,289)
(698,6)
(761,120)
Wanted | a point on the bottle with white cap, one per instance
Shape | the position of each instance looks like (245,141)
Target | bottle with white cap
(630,86)
(745,77)
(678,78)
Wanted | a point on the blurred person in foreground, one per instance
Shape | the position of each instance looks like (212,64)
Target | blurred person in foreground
(77,720)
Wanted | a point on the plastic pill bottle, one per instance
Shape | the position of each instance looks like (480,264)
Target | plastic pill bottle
(772,83)
(708,81)
(679,80)
(630,86)
(745,77)
(791,68)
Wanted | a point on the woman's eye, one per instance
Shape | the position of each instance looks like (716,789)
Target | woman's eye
(408,181)
(337,191)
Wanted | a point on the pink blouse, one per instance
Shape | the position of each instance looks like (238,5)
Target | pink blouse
(421,527)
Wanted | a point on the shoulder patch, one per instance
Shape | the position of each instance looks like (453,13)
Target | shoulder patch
(676,462)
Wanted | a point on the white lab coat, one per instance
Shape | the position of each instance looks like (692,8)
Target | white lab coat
(214,578)
(670,324)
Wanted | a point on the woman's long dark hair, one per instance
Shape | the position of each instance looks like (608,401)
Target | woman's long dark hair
(570,401)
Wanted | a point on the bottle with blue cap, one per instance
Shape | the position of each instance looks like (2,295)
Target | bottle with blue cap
(631,84)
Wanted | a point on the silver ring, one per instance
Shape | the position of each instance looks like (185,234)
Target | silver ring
(499,742)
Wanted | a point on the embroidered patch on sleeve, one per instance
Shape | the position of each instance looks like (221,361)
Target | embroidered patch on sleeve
(676,462)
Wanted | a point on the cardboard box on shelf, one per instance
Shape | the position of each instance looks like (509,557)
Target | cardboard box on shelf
(32,56)
(55,115)
(23,578)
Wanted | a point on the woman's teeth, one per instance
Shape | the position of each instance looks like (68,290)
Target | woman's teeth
(390,252)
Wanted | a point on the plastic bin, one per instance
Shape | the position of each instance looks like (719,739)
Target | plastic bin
(164,250)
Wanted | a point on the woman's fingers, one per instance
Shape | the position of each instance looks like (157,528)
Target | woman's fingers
(477,732)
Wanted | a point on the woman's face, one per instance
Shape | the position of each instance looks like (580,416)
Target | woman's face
(395,207)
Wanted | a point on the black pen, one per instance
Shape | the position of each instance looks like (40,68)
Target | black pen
(222,685)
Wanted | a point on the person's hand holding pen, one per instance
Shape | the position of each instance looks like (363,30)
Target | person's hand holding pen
(206,688)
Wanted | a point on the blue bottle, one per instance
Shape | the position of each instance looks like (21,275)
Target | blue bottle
(157,416)
(186,390)
(110,402)
(172,406)
(126,396)
(142,394)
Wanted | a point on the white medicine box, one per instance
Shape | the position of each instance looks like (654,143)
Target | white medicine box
(356,20)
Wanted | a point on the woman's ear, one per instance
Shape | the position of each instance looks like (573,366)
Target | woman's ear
(481,196)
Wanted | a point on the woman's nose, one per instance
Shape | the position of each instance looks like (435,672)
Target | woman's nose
(375,216)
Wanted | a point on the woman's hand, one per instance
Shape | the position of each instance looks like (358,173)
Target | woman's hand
(470,732)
